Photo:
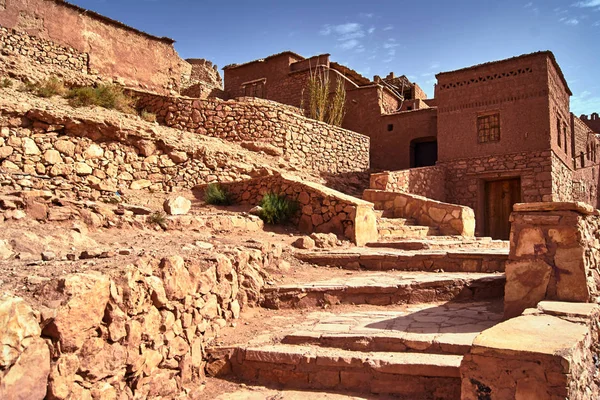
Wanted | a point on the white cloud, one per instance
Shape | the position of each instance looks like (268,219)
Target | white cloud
(388,28)
(366,15)
(389,45)
(347,28)
(585,103)
(388,60)
(371,30)
(351,35)
(528,5)
(597,23)
(569,21)
(587,3)
(349,44)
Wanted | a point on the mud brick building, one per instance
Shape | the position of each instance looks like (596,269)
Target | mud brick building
(496,133)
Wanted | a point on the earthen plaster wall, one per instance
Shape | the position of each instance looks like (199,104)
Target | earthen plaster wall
(426,181)
(593,121)
(114,49)
(517,89)
(305,142)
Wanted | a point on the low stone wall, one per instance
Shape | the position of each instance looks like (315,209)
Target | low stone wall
(547,353)
(304,142)
(138,334)
(322,209)
(427,182)
(450,219)
(554,255)
(42,51)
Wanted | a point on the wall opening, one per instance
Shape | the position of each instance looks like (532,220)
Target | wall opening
(390,127)
(423,152)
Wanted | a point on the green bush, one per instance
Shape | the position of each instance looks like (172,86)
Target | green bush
(158,218)
(148,116)
(277,208)
(48,88)
(217,195)
(6,83)
(111,97)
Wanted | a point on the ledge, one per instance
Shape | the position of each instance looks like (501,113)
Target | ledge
(579,207)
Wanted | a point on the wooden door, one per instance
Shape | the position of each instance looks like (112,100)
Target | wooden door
(500,196)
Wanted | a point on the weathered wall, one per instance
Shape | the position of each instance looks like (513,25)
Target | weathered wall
(465,179)
(553,255)
(142,331)
(321,210)
(305,142)
(204,80)
(427,182)
(560,118)
(547,353)
(450,219)
(42,51)
(516,88)
(114,49)
(593,121)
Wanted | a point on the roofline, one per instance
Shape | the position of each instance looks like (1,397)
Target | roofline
(232,66)
(547,53)
(111,21)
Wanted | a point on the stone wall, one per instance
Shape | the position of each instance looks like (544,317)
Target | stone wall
(114,50)
(427,182)
(42,51)
(554,255)
(562,180)
(450,219)
(204,80)
(547,353)
(321,209)
(305,142)
(138,334)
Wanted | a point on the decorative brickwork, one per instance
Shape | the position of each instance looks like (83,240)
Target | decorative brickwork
(305,142)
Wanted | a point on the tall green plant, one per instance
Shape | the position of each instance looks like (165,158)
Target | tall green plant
(322,106)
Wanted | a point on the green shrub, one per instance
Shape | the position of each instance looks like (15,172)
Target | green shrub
(217,195)
(148,116)
(48,88)
(111,97)
(6,83)
(158,218)
(277,208)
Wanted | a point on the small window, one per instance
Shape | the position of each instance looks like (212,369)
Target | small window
(409,108)
(558,131)
(582,159)
(488,128)
(565,139)
(390,127)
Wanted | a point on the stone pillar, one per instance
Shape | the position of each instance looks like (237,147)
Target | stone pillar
(554,255)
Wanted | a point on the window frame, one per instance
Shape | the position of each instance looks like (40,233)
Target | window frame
(489,136)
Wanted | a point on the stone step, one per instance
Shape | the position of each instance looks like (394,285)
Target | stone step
(386,289)
(408,375)
(441,243)
(448,328)
(475,260)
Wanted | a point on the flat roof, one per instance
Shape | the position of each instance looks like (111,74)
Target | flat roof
(546,53)
(287,52)
(111,21)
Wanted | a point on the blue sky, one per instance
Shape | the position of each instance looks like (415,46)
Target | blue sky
(415,38)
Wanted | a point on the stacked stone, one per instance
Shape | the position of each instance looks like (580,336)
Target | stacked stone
(42,51)
(143,331)
(78,163)
(427,182)
(308,143)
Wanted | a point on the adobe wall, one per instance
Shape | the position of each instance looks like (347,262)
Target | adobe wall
(322,209)
(114,50)
(559,98)
(593,121)
(517,89)
(426,181)
(465,179)
(141,330)
(553,255)
(204,80)
(450,219)
(305,142)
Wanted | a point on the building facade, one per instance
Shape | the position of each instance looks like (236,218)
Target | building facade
(499,133)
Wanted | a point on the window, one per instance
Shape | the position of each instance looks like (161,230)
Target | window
(565,139)
(390,127)
(488,128)
(558,131)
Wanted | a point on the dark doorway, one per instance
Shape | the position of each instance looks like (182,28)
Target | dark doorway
(423,152)
(500,196)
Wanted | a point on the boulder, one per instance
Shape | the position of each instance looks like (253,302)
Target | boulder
(177,206)
(305,243)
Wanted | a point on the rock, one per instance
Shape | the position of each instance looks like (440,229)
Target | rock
(264,147)
(28,378)
(83,299)
(146,147)
(177,206)
(526,285)
(52,157)
(93,152)
(176,278)
(178,157)
(137,210)
(15,214)
(82,168)
(256,211)
(324,240)
(5,250)
(140,184)
(17,324)
(305,243)
(203,245)
(48,256)
(29,147)
(66,147)
(37,210)
(5,152)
